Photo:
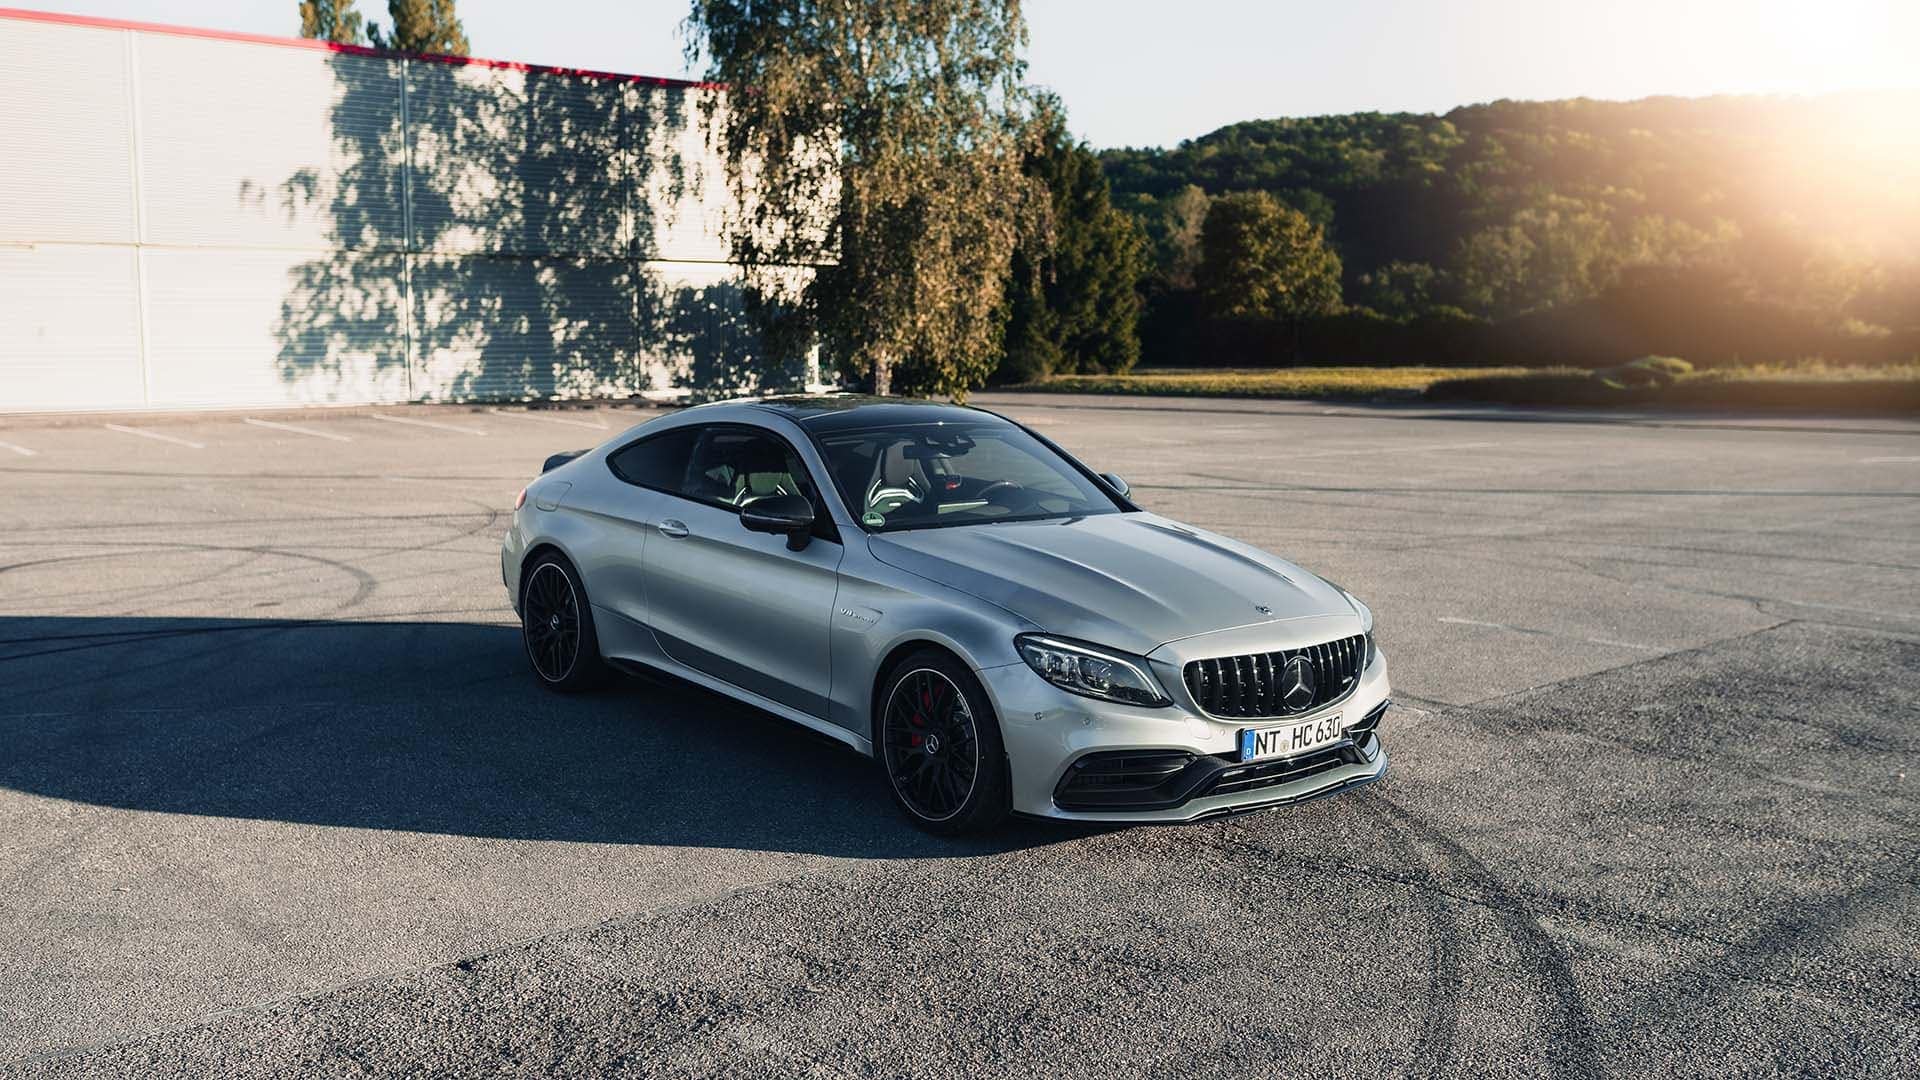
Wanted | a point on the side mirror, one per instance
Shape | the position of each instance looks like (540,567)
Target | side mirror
(791,515)
(1118,485)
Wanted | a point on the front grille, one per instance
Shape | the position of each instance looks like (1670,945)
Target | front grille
(1249,686)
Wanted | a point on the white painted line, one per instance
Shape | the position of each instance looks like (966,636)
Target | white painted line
(549,419)
(1886,460)
(155,435)
(427,424)
(18,449)
(298,430)
(1550,633)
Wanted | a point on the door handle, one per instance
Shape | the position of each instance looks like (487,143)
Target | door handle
(673,528)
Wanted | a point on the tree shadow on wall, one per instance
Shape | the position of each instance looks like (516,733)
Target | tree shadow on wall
(506,235)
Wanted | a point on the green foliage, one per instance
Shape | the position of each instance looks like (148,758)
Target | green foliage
(1519,208)
(1545,255)
(1074,305)
(1172,224)
(422,26)
(332,20)
(1262,260)
(880,141)
(1400,290)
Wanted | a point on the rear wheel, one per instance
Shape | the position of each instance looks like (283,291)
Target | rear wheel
(557,626)
(940,746)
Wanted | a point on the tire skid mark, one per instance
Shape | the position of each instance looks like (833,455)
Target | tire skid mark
(1438,888)
(1574,1050)
(364,582)
(1799,927)
(127,599)
(1434,1054)
(317,519)
(238,573)
(1504,721)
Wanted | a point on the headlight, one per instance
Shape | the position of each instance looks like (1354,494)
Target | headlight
(1366,624)
(1091,672)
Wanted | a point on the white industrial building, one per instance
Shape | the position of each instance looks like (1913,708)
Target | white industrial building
(199,219)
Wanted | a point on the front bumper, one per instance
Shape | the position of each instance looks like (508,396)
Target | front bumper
(1073,758)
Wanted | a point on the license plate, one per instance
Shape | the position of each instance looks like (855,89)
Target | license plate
(1275,742)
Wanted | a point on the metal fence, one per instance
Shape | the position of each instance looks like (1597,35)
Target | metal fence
(193,219)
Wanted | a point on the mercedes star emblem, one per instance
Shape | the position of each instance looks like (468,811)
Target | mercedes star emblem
(1296,684)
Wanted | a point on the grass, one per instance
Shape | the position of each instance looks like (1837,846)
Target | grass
(1339,383)
(1650,382)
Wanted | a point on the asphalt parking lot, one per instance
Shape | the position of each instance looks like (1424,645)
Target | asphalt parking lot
(277,793)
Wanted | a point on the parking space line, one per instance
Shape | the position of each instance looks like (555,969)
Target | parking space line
(18,449)
(548,419)
(155,435)
(298,430)
(1887,460)
(427,424)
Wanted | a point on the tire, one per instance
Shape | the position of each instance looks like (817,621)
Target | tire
(939,746)
(556,626)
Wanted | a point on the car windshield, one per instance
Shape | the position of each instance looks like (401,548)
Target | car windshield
(955,472)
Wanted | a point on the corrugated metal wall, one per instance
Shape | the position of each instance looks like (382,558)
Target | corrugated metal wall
(187,221)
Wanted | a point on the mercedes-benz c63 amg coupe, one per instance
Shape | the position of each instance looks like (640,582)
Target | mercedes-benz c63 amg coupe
(938,587)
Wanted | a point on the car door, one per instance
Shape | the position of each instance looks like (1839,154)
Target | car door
(625,515)
(742,606)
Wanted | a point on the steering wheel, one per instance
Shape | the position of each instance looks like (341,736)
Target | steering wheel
(987,492)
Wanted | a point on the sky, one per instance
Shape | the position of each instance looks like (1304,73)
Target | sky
(1154,72)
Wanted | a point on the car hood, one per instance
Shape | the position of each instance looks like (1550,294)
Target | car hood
(1128,581)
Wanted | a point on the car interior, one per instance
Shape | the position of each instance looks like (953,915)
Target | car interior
(734,467)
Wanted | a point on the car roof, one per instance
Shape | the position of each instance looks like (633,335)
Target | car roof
(840,412)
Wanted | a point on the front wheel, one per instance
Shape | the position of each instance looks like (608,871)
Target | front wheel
(940,746)
(556,624)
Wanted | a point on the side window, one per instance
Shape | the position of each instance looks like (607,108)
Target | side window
(731,466)
(659,462)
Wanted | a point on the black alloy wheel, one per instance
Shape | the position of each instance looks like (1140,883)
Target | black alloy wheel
(556,628)
(941,748)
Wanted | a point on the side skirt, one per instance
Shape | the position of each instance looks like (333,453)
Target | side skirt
(658,663)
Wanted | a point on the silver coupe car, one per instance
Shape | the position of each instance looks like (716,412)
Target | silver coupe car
(955,596)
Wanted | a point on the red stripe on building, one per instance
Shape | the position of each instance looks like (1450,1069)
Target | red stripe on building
(351,50)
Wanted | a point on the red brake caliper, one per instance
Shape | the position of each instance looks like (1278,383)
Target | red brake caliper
(920,718)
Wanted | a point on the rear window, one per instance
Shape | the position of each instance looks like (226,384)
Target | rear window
(658,462)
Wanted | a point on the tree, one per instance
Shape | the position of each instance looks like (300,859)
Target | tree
(880,141)
(1185,216)
(1400,290)
(1555,252)
(1262,260)
(1074,306)
(422,26)
(331,20)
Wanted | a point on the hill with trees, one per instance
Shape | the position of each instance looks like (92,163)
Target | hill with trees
(1572,231)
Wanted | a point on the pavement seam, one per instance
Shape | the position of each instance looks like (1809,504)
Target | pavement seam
(1478,703)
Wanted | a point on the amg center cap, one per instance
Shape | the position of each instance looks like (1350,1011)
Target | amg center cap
(1296,684)
(933,744)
